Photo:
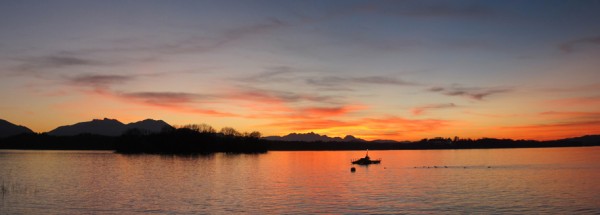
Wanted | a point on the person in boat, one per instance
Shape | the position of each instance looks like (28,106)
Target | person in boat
(366,160)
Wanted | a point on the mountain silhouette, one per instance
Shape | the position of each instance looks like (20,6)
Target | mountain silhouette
(158,137)
(313,137)
(148,125)
(8,129)
(108,127)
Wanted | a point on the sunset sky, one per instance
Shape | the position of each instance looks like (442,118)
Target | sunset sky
(401,70)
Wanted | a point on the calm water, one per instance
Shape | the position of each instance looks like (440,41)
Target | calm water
(552,180)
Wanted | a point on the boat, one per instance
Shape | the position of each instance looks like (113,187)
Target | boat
(366,160)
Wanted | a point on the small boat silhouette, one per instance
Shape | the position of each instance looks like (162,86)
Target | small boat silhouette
(366,160)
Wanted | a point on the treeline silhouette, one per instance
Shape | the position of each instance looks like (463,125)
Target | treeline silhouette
(190,139)
(45,141)
(434,143)
(204,139)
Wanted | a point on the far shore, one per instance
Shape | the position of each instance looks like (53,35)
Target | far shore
(206,144)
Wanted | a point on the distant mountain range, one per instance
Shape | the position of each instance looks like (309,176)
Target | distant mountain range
(8,129)
(313,137)
(112,127)
(108,127)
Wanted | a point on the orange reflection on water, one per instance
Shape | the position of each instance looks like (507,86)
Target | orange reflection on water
(548,180)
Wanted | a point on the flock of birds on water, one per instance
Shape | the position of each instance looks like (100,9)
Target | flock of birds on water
(435,167)
(353,169)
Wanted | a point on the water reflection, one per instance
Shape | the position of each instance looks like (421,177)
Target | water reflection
(561,180)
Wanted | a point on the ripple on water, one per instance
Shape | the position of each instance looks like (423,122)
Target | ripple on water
(519,181)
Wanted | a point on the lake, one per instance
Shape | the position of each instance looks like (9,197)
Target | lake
(513,181)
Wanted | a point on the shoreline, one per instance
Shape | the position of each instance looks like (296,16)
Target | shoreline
(185,141)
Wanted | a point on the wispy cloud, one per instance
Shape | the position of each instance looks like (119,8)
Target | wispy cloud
(422,109)
(174,101)
(59,61)
(164,98)
(271,74)
(263,102)
(192,43)
(492,115)
(317,112)
(571,46)
(312,78)
(205,44)
(184,102)
(477,93)
(104,55)
(103,81)
(341,80)
(35,64)
(278,96)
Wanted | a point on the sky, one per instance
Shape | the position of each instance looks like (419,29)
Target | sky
(399,70)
